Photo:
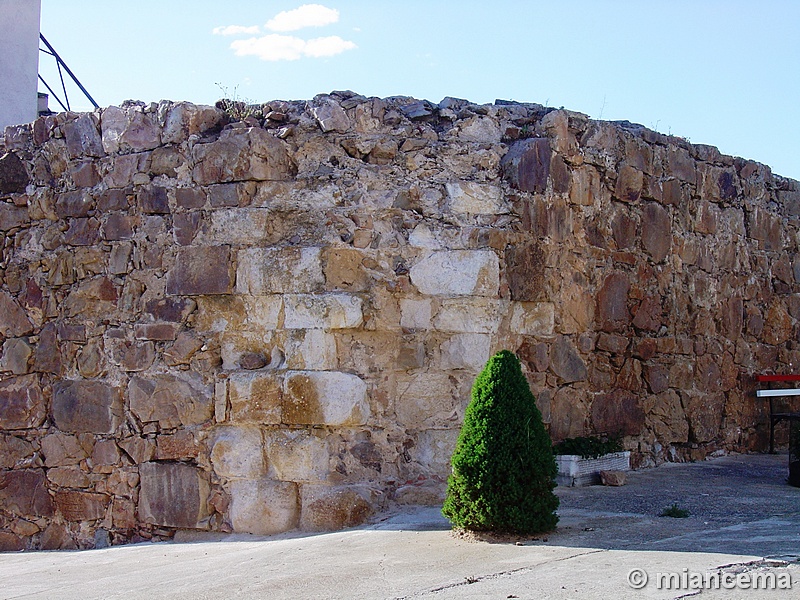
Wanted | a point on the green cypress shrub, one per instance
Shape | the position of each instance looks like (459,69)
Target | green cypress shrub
(503,466)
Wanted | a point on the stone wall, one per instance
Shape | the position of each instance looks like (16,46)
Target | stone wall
(274,323)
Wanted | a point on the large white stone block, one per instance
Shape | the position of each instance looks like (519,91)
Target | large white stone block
(238,452)
(416,314)
(466,351)
(533,318)
(434,399)
(310,350)
(458,273)
(329,311)
(475,198)
(264,507)
(469,315)
(324,398)
(327,508)
(279,271)
(297,456)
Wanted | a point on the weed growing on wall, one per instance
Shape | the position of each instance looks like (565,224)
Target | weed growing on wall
(503,466)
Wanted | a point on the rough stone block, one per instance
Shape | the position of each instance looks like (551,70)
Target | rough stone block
(82,136)
(279,271)
(612,303)
(565,361)
(86,406)
(24,493)
(81,506)
(172,400)
(324,398)
(22,404)
(255,397)
(238,452)
(201,271)
(525,265)
(298,456)
(533,318)
(458,273)
(241,155)
(613,478)
(129,130)
(173,495)
(469,315)
(61,449)
(344,270)
(12,216)
(16,453)
(475,198)
(526,166)
(415,314)
(68,477)
(617,413)
(328,311)
(656,231)
(327,508)
(14,177)
(425,400)
(466,351)
(264,507)
(311,350)
(14,321)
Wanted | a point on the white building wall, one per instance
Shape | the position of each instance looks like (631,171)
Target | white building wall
(19,61)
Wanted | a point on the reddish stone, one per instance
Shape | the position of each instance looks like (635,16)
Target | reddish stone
(646,348)
(22,404)
(616,344)
(174,310)
(16,452)
(525,268)
(82,232)
(630,376)
(223,195)
(71,333)
(536,356)
(47,356)
(681,165)
(24,493)
(74,204)
(13,319)
(81,506)
(565,361)
(84,174)
(656,231)
(111,200)
(140,450)
(172,495)
(86,406)
(118,227)
(766,228)
(14,176)
(57,537)
(10,542)
(731,318)
(190,197)
(179,446)
(657,378)
(201,271)
(649,314)
(629,185)
(560,175)
(153,200)
(612,303)
(12,216)
(617,413)
(165,160)
(624,228)
(155,331)
(704,412)
(83,136)
(526,166)
(185,226)
(132,356)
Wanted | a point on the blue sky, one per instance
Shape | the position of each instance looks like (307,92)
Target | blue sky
(719,72)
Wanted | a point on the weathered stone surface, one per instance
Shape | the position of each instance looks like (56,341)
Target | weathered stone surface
(255,397)
(129,129)
(86,406)
(13,175)
(466,351)
(264,507)
(656,231)
(525,270)
(344,270)
(568,414)
(238,452)
(612,303)
(171,400)
(629,184)
(297,456)
(152,200)
(47,356)
(329,311)
(240,155)
(61,449)
(173,495)
(648,315)
(81,506)
(24,493)
(704,413)
(279,270)
(533,318)
(201,271)
(324,398)
(139,450)
(310,350)
(613,478)
(565,361)
(331,508)
(12,216)
(475,198)
(425,400)
(22,404)
(469,315)
(13,320)
(83,137)
(458,273)
(617,413)
(182,445)
(526,166)
(16,453)
(331,117)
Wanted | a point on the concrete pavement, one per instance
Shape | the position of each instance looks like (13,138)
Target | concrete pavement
(742,512)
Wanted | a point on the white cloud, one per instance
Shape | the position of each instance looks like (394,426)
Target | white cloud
(275,47)
(308,15)
(327,46)
(236,30)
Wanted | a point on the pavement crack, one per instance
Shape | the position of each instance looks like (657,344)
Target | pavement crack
(469,580)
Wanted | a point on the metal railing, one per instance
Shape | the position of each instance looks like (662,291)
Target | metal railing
(60,63)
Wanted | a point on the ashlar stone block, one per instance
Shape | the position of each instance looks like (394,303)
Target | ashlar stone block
(329,311)
(297,456)
(458,273)
(326,508)
(469,315)
(171,400)
(173,495)
(324,398)
(264,507)
(255,397)
(238,452)
(279,271)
